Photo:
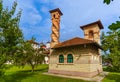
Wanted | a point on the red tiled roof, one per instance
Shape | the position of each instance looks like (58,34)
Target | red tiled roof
(31,41)
(97,22)
(75,41)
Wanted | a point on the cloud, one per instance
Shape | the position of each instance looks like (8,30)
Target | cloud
(80,12)
(7,3)
(41,33)
(30,15)
(36,19)
(44,9)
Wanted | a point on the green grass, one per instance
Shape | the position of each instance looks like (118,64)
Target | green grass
(112,77)
(16,74)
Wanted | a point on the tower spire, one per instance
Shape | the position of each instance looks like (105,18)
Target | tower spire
(55,17)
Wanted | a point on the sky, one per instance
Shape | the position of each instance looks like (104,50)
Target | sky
(36,21)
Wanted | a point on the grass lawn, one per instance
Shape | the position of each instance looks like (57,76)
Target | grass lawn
(112,77)
(16,74)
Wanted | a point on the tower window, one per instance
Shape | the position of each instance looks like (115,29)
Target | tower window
(61,59)
(54,15)
(91,34)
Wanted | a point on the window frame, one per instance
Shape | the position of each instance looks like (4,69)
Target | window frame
(69,58)
(61,59)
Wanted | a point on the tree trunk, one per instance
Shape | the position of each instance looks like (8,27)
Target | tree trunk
(32,65)
(32,68)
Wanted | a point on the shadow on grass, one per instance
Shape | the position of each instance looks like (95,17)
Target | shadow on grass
(18,76)
(37,70)
(114,77)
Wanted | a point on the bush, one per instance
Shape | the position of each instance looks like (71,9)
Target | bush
(2,72)
(111,69)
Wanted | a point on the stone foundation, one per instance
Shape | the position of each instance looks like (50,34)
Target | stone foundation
(74,73)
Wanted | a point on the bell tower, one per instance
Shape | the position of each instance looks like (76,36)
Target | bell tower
(92,31)
(55,17)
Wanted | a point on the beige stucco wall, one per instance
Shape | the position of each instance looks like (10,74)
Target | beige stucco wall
(96,62)
(86,60)
(71,67)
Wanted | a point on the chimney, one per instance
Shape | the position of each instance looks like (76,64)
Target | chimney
(55,17)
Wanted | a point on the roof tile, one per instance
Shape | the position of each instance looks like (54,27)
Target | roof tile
(74,41)
(97,22)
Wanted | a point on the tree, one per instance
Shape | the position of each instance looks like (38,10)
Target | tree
(111,44)
(107,1)
(30,55)
(11,36)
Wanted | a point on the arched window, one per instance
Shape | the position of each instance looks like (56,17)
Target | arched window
(69,58)
(91,34)
(61,59)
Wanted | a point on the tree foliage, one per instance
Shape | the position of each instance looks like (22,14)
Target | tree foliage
(115,26)
(107,1)
(13,48)
(11,36)
(29,55)
(111,44)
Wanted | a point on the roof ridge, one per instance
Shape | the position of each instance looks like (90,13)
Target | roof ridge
(74,41)
(75,38)
(96,22)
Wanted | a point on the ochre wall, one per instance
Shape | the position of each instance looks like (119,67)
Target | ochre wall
(96,30)
(86,61)
(55,18)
